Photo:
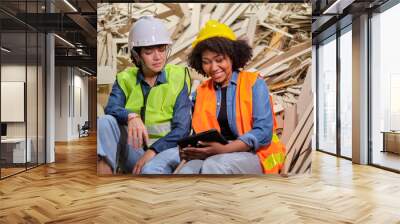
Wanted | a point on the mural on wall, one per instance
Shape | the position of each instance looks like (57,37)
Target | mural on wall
(280,38)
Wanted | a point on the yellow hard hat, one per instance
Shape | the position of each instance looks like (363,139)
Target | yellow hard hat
(213,28)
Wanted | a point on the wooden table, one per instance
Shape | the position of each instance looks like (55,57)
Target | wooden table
(391,141)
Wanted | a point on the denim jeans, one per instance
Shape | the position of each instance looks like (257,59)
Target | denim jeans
(108,137)
(226,163)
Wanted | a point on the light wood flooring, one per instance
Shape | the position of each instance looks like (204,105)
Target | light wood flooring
(388,159)
(5,172)
(10,171)
(69,191)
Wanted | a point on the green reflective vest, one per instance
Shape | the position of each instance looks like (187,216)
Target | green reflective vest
(159,108)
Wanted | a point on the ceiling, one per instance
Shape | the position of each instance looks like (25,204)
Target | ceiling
(72,20)
(328,16)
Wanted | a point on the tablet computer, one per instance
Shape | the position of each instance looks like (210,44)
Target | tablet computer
(211,135)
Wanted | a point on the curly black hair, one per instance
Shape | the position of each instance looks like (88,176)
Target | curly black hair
(238,51)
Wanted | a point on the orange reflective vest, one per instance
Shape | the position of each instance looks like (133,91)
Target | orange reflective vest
(204,118)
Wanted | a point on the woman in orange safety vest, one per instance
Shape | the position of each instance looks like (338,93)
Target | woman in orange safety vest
(236,103)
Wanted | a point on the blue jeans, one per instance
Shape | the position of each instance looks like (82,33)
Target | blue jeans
(108,137)
(226,163)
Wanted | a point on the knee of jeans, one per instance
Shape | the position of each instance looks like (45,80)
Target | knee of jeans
(151,168)
(105,121)
(191,167)
(213,166)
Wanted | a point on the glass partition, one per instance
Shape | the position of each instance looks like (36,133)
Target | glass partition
(41,110)
(13,103)
(346,93)
(31,99)
(385,89)
(22,88)
(327,95)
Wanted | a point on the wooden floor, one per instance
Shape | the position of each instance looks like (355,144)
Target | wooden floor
(388,159)
(70,192)
(5,172)
(10,171)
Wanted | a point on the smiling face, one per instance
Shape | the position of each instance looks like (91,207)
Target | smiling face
(217,66)
(154,57)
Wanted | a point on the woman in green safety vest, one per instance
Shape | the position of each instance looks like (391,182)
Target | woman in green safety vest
(148,109)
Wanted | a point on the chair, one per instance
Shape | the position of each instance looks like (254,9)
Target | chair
(84,130)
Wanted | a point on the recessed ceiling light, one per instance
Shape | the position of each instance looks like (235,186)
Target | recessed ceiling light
(64,40)
(337,7)
(70,5)
(86,72)
(5,49)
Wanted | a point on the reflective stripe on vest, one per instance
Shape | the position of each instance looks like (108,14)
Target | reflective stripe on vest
(204,118)
(152,140)
(158,130)
(160,101)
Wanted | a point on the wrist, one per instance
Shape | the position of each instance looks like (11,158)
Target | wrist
(132,116)
(151,151)
(223,148)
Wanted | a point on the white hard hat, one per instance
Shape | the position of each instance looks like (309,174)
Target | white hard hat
(148,31)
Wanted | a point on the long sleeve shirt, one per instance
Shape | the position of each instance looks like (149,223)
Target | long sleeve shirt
(181,121)
(261,133)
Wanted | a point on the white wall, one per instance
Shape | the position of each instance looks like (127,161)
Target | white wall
(70,83)
(79,117)
(12,73)
(62,81)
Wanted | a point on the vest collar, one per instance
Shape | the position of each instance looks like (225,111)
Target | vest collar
(234,77)
(161,78)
